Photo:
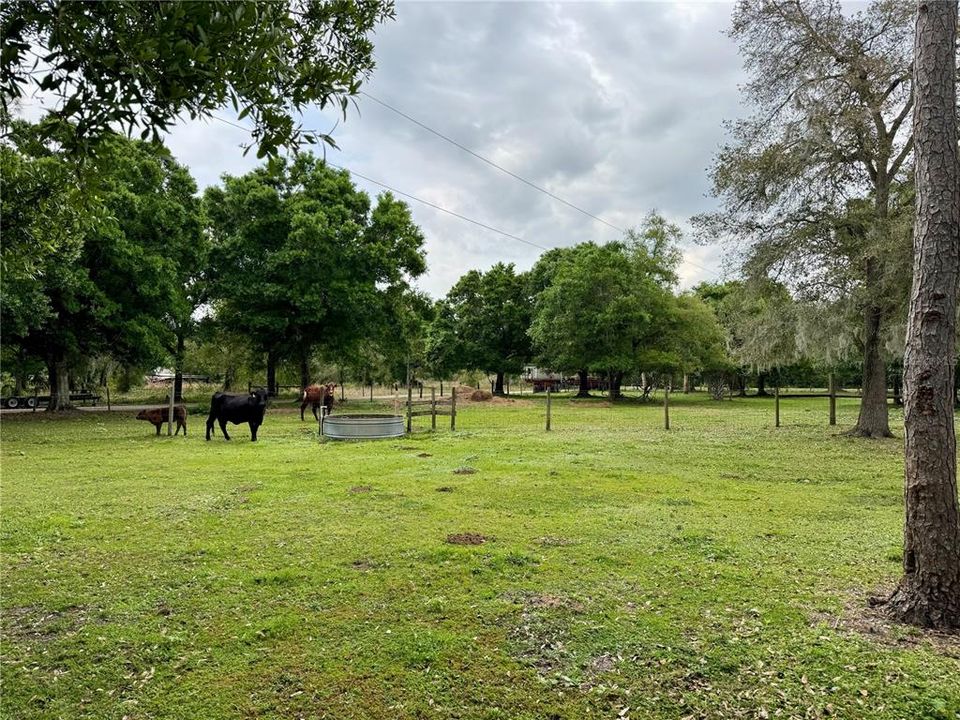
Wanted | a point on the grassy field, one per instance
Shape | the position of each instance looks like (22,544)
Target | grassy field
(716,571)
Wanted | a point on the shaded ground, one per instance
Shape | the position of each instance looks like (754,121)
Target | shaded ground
(720,570)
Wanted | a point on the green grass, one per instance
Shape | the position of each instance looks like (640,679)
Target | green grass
(631,572)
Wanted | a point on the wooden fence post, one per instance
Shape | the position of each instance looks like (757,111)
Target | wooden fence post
(170,414)
(371,391)
(548,408)
(666,406)
(107,387)
(776,404)
(433,409)
(833,400)
(409,407)
(453,408)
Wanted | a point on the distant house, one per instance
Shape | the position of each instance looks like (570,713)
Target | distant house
(542,379)
(161,376)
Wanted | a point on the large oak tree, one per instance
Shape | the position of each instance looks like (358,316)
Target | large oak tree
(831,95)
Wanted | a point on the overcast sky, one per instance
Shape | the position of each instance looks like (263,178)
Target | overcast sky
(614,107)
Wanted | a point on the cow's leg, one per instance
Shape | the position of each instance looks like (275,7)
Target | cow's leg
(158,427)
(209,425)
(303,406)
(184,427)
(253,431)
(223,429)
(315,415)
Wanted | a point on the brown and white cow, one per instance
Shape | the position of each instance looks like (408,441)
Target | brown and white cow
(315,396)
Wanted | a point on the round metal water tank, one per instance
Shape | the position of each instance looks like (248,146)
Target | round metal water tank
(363,427)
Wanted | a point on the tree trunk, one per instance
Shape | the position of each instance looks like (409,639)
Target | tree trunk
(59,386)
(929,593)
(178,367)
(898,388)
(616,385)
(304,370)
(762,385)
(741,385)
(874,417)
(498,384)
(584,384)
(271,373)
(686,384)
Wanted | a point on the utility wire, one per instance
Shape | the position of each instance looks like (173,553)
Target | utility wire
(508,172)
(412,197)
(490,162)
(437,207)
(451,212)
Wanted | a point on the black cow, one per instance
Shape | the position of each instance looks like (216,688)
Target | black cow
(237,409)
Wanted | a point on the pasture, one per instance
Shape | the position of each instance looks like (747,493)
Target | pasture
(719,570)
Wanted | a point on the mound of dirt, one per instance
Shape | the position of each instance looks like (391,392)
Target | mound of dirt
(481,395)
(360,489)
(465,471)
(467,539)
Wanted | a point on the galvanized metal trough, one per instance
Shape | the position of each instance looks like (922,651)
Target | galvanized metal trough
(362,427)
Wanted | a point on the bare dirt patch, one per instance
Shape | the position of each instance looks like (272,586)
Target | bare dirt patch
(445,489)
(356,489)
(424,455)
(869,621)
(465,470)
(553,602)
(467,539)
(364,565)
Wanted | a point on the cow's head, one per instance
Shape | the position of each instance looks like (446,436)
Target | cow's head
(142,415)
(331,387)
(259,397)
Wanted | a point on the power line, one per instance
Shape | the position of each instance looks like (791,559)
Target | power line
(451,212)
(508,172)
(490,162)
(412,197)
(437,207)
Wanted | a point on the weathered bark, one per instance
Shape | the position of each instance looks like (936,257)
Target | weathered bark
(874,420)
(686,384)
(178,368)
(498,384)
(929,592)
(59,385)
(584,384)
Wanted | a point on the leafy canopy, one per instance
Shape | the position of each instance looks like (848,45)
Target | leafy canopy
(140,65)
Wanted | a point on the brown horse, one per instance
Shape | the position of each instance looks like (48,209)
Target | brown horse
(315,396)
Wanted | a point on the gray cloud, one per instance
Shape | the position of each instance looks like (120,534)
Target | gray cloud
(615,107)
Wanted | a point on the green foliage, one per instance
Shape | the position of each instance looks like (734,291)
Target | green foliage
(300,261)
(112,278)
(482,323)
(142,65)
(611,308)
